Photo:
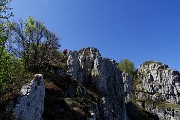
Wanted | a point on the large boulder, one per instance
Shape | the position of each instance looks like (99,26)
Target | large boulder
(30,103)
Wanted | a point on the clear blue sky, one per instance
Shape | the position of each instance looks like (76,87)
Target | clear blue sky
(139,30)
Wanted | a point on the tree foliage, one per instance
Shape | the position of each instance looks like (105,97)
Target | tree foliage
(24,46)
(12,77)
(5,14)
(126,66)
(11,70)
(34,43)
(5,58)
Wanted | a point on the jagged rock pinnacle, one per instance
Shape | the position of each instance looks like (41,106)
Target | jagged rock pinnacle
(89,68)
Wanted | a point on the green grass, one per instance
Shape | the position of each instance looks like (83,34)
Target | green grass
(87,52)
(165,105)
(74,108)
(74,104)
(91,92)
(151,61)
(136,112)
(136,82)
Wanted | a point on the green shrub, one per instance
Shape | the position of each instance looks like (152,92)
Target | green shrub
(126,66)
(166,105)
(151,61)
(12,77)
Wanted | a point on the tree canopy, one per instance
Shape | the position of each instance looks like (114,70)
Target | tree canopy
(5,14)
(34,43)
(126,66)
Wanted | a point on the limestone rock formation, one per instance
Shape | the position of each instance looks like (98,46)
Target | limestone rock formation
(128,86)
(158,90)
(92,87)
(103,77)
(30,103)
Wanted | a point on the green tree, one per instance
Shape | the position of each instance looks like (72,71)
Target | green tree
(5,14)
(34,43)
(11,70)
(5,58)
(12,77)
(126,66)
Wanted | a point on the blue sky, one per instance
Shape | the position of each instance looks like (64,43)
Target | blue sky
(139,30)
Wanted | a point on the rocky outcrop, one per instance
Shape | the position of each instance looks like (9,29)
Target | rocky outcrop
(92,87)
(30,103)
(158,90)
(128,87)
(102,76)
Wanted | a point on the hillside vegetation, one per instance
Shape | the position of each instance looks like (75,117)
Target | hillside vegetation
(26,47)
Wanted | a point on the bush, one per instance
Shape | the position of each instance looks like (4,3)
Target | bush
(126,66)
(12,75)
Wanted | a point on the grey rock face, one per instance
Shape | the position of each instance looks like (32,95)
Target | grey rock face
(158,88)
(30,103)
(128,86)
(87,66)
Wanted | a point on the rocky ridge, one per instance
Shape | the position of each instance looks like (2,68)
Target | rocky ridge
(93,88)
(157,90)
(93,71)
